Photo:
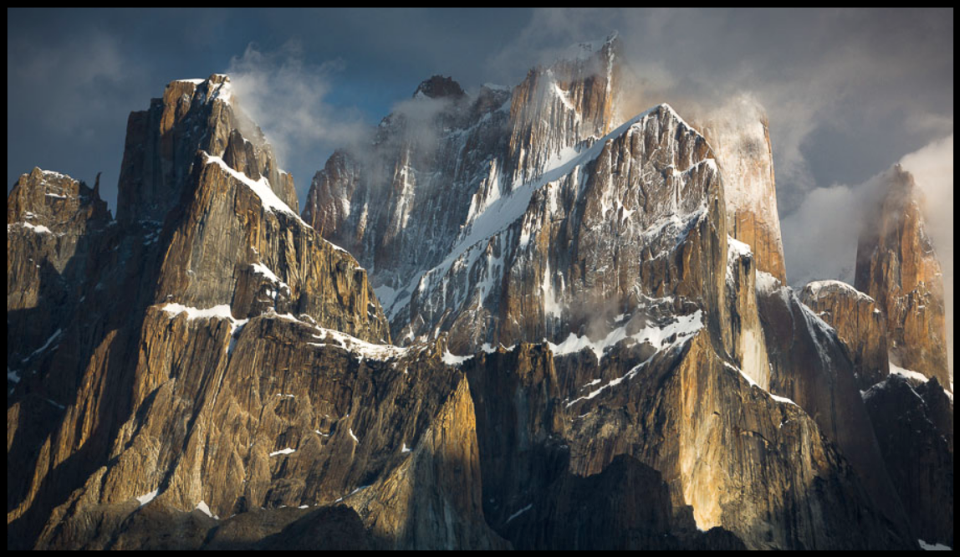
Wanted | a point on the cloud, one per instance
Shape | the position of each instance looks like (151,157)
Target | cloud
(820,74)
(286,97)
(820,237)
(932,167)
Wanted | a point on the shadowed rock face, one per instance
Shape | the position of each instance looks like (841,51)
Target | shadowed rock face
(898,267)
(914,425)
(51,219)
(729,455)
(811,366)
(439,86)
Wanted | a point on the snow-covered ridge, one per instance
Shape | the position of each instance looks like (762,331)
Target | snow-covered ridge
(502,213)
(268,198)
(216,312)
(39,229)
(367,350)
(452,360)
(820,288)
(220,312)
(684,326)
(767,283)
(684,330)
(261,187)
(737,249)
(912,377)
(908,373)
(54,174)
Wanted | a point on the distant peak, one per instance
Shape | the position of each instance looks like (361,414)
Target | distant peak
(214,79)
(900,177)
(439,86)
(42,174)
(588,49)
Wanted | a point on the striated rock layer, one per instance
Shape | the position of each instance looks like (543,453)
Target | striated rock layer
(222,376)
(152,389)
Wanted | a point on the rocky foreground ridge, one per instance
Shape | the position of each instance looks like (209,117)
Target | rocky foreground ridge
(584,341)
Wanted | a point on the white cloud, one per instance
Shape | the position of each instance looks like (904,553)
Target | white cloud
(287,99)
(932,166)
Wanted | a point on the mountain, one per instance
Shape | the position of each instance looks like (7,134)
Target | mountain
(740,137)
(897,266)
(575,333)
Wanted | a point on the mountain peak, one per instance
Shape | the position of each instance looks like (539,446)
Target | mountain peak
(439,86)
(585,50)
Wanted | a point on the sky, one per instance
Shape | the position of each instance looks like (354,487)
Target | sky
(848,92)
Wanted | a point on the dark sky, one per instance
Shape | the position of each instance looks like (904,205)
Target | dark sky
(848,92)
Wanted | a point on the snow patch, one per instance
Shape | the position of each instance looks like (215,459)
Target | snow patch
(202,507)
(520,512)
(820,288)
(452,360)
(287,450)
(39,228)
(146,498)
(909,374)
(46,345)
(934,546)
(685,326)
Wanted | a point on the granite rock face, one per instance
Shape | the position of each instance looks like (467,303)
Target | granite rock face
(897,266)
(442,165)
(740,137)
(914,424)
(582,343)
(202,345)
(162,143)
(811,366)
(51,219)
(859,323)
(730,459)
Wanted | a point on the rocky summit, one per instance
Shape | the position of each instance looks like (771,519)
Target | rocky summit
(519,319)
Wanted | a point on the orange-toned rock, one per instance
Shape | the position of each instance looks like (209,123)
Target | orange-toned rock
(897,266)
(859,323)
